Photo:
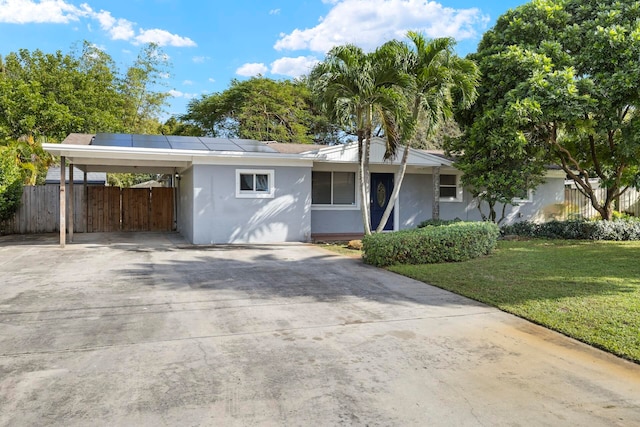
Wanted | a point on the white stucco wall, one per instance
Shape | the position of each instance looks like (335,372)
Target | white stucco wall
(544,204)
(185,204)
(220,217)
(416,205)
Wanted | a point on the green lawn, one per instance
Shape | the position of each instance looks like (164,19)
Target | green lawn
(587,290)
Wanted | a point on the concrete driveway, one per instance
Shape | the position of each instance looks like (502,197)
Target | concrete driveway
(139,330)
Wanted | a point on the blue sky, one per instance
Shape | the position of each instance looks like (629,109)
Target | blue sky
(211,42)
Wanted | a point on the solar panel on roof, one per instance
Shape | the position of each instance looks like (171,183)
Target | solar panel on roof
(253,146)
(223,147)
(192,145)
(151,144)
(220,144)
(179,142)
(112,140)
(180,138)
(150,141)
(154,138)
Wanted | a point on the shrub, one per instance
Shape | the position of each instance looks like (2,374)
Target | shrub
(457,241)
(10,186)
(622,229)
(437,222)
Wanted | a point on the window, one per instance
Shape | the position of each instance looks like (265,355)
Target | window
(254,184)
(333,189)
(449,190)
(524,196)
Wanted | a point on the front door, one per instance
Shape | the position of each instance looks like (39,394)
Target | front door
(381,188)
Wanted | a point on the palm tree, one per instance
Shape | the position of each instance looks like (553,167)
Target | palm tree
(436,72)
(360,91)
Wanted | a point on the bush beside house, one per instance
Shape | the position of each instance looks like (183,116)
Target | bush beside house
(455,241)
(621,229)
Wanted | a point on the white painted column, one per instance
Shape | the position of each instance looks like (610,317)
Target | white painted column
(71,203)
(63,201)
(435,211)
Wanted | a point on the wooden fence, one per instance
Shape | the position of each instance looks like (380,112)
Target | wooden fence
(579,206)
(108,209)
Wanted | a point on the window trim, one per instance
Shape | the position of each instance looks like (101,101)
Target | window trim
(253,194)
(529,198)
(458,198)
(332,206)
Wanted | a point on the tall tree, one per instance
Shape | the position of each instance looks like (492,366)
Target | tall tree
(499,162)
(358,90)
(50,95)
(576,97)
(435,72)
(142,88)
(263,109)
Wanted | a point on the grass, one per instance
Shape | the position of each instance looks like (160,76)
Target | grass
(587,290)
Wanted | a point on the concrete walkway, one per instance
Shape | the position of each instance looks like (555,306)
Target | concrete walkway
(141,329)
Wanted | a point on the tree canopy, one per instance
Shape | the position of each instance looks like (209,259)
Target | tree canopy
(560,85)
(359,91)
(10,185)
(263,109)
(399,88)
(49,95)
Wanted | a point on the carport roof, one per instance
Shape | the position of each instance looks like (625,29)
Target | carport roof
(110,152)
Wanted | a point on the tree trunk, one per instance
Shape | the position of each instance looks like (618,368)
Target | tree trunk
(364,194)
(396,190)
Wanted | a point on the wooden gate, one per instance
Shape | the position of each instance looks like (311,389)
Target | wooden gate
(129,209)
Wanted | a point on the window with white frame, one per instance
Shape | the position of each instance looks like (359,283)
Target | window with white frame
(333,189)
(254,183)
(450,190)
(524,196)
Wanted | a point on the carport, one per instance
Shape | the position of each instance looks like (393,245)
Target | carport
(122,155)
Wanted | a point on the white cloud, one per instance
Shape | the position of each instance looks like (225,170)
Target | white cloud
(200,59)
(63,12)
(118,29)
(212,80)
(45,11)
(371,23)
(293,67)
(163,38)
(274,12)
(187,82)
(252,69)
(178,94)
(164,75)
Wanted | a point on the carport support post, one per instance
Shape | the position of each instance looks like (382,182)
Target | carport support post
(63,201)
(435,212)
(86,203)
(71,202)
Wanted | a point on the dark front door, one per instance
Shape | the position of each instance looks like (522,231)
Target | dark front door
(381,188)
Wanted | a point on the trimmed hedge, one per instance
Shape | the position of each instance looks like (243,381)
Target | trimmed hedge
(438,222)
(456,241)
(622,229)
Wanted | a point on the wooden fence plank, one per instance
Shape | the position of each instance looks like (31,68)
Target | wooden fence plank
(100,209)
(135,209)
(161,209)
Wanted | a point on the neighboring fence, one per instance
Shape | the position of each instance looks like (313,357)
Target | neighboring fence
(579,206)
(108,209)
